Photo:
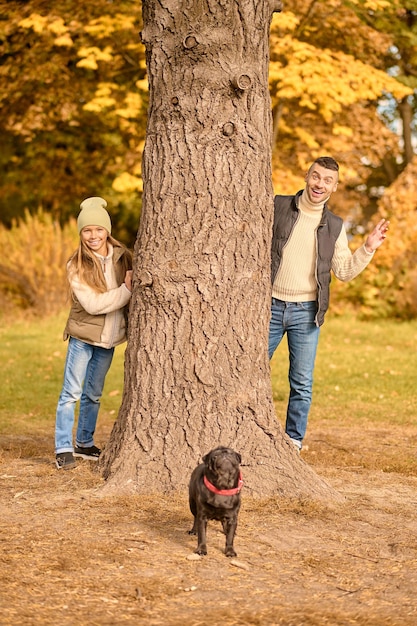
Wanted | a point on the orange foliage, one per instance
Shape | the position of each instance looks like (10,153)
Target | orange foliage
(388,286)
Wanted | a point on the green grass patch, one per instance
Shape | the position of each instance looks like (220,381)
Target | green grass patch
(364,408)
(364,371)
(32,359)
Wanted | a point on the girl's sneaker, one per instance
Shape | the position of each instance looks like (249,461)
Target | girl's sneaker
(65,460)
(92,453)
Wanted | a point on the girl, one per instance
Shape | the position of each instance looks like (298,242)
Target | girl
(100,281)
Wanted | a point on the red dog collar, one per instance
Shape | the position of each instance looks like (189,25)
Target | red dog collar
(224,492)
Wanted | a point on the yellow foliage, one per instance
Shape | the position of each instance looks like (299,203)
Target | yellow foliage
(102,98)
(307,138)
(126,183)
(96,105)
(64,40)
(105,89)
(142,84)
(373,5)
(285,182)
(90,56)
(284,21)
(40,23)
(388,285)
(106,25)
(342,130)
(325,80)
(35,21)
(133,106)
(57,26)
(88,63)
(33,266)
(137,169)
(399,205)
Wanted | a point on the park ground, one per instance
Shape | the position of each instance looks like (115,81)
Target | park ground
(72,556)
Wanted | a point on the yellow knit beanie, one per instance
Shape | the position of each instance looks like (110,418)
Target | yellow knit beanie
(93,213)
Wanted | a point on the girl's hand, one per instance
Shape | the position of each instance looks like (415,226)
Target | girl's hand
(128,279)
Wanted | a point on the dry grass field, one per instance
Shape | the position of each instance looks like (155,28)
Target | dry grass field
(70,555)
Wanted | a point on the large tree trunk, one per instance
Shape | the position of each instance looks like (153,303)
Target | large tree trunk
(406,113)
(197,371)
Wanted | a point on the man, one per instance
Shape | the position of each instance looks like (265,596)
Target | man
(309,242)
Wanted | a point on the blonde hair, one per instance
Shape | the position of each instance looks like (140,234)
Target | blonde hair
(87,266)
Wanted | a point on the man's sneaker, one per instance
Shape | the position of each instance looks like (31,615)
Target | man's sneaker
(297,444)
(65,460)
(92,453)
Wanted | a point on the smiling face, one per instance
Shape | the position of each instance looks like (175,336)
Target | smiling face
(95,238)
(321,182)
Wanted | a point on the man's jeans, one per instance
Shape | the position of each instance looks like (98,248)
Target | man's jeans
(86,367)
(297,320)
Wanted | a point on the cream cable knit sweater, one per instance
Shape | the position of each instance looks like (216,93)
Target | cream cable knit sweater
(296,279)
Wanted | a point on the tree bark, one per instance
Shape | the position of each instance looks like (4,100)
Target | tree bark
(197,372)
(406,114)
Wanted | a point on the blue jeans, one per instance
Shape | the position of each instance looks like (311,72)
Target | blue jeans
(296,319)
(85,371)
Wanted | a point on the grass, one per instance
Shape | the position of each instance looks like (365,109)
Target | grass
(32,359)
(364,381)
(364,411)
(299,562)
(364,370)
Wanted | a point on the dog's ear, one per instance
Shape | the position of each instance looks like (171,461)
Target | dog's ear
(212,463)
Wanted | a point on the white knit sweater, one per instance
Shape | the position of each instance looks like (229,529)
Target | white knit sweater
(296,279)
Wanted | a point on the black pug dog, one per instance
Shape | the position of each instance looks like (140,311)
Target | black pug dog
(214,493)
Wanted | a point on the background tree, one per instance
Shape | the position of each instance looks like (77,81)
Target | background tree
(197,371)
(75,116)
(399,21)
(389,286)
(73,104)
(72,96)
(329,75)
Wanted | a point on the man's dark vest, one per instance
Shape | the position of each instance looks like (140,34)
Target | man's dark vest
(285,216)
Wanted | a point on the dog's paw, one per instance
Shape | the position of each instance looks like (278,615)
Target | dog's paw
(192,532)
(202,551)
(230,552)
